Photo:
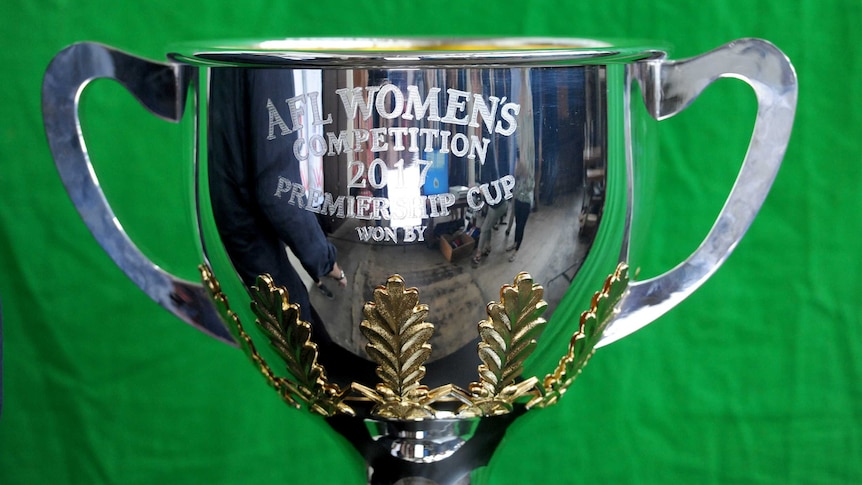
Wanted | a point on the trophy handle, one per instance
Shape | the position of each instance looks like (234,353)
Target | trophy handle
(161,88)
(668,88)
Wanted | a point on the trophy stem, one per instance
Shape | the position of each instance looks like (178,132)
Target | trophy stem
(424,452)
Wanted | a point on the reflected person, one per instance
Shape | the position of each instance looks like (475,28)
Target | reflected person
(492,218)
(246,165)
(523,195)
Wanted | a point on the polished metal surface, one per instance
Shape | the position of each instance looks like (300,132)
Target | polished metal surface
(387,53)
(668,87)
(161,89)
(325,167)
(312,173)
(425,441)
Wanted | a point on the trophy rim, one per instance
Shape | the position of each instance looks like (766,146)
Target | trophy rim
(371,52)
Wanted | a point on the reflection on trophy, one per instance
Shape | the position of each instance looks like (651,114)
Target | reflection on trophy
(420,240)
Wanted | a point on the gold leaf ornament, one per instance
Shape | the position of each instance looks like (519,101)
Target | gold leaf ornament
(398,338)
(243,338)
(508,337)
(398,341)
(583,343)
(290,337)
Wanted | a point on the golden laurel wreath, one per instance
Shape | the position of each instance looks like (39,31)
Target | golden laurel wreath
(398,342)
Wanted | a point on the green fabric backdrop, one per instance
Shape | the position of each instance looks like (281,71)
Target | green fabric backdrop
(756,379)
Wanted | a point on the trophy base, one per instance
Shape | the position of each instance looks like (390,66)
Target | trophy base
(424,452)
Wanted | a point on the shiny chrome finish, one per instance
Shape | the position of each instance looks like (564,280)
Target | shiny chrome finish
(161,88)
(331,165)
(375,172)
(427,441)
(669,87)
(387,53)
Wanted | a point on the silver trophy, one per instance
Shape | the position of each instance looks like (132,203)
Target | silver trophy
(419,239)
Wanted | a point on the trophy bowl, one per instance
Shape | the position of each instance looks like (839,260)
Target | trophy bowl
(419,239)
